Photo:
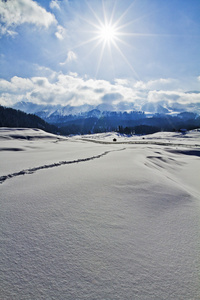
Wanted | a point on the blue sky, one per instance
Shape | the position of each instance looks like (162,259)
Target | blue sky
(93,52)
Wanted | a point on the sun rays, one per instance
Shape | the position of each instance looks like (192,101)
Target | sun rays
(115,38)
(107,34)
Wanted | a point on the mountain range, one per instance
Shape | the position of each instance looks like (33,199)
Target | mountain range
(89,119)
(53,113)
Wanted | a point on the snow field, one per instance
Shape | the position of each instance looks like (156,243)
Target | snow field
(123,225)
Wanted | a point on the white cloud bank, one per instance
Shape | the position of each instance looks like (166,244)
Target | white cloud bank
(174,96)
(73,90)
(14,13)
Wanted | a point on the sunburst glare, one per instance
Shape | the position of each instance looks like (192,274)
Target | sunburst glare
(107,31)
(109,34)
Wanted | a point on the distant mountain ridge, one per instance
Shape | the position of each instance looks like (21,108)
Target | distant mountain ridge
(53,113)
(95,121)
(10,117)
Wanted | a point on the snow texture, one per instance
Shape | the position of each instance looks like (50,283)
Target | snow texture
(95,219)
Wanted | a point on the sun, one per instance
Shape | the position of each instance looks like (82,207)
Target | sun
(107,33)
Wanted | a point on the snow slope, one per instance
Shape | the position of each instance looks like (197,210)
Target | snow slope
(88,218)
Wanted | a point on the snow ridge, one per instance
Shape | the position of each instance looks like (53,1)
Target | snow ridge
(142,142)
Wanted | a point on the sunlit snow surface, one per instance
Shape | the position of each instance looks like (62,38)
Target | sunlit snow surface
(88,218)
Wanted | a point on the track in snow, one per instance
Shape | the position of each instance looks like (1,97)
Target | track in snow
(60,163)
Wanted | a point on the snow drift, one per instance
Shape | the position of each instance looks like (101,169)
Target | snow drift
(88,218)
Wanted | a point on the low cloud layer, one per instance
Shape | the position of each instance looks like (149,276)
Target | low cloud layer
(71,89)
(174,96)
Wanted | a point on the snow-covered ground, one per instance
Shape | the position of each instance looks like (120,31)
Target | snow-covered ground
(84,217)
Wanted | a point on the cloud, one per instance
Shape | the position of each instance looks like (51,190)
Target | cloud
(17,12)
(71,56)
(174,96)
(157,84)
(59,89)
(14,13)
(16,85)
(54,4)
(110,97)
(71,89)
(4,31)
(100,91)
(60,32)
(123,82)
(73,74)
